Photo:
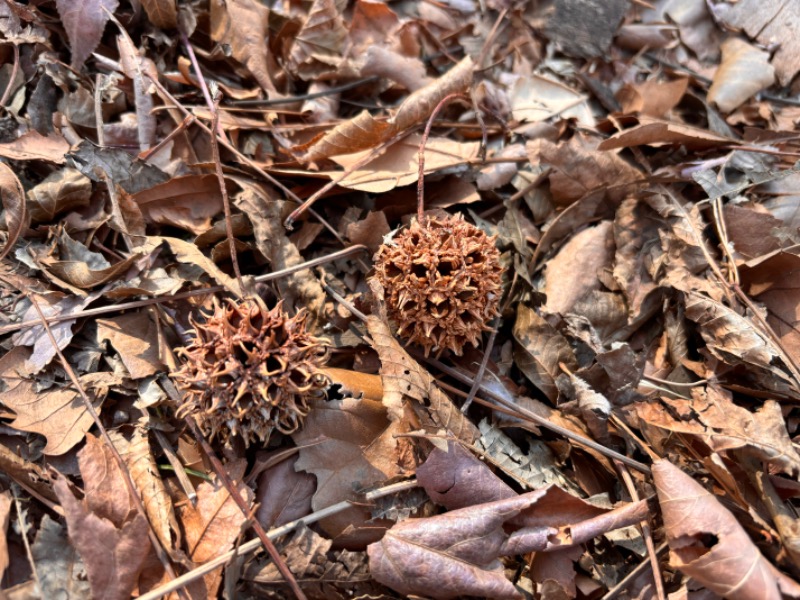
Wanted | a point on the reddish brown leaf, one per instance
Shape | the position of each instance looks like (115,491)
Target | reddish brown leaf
(283,494)
(706,541)
(84,21)
(652,132)
(162,13)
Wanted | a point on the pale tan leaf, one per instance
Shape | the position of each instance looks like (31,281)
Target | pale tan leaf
(244,26)
(14,207)
(59,192)
(35,146)
(536,98)
(188,253)
(365,132)
(134,337)
(188,202)
(399,164)
(318,46)
(139,457)
(722,425)
(654,132)
(744,71)
(404,379)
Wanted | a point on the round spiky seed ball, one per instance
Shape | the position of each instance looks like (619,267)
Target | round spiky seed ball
(442,280)
(250,370)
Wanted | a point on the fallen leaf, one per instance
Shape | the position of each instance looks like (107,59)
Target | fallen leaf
(162,13)
(583,27)
(62,190)
(212,524)
(535,98)
(318,46)
(744,71)
(283,494)
(243,25)
(14,207)
(653,132)
(59,568)
(706,541)
(35,146)
(540,350)
(364,131)
(399,164)
(349,446)
(84,22)
(770,22)
(105,515)
(712,417)
(134,337)
(403,379)
(58,413)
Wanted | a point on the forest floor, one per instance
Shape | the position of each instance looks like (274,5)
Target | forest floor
(436,299)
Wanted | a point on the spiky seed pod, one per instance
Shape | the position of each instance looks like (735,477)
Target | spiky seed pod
(250,370)
(442,280)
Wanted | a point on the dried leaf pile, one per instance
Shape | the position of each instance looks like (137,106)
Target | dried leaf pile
(584,385)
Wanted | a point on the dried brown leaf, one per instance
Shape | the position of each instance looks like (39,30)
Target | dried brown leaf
(300,289)
(743,72)
(318,46)
(135,338)
(404,379)
(730,565)
(712,417)
(283,494)
(162,13)
(652,98)
(61,191)
(108,514)
(654,132)
(449,555)
(188,202)
(540,349)
(84,22)
(34,146)
(244,25)
(536,98)
(58,413)
(188,253)
(365,131)
(771,22)
(399,164)
(348,444)
(14,207)
(212,524)
(59,568)
(140,460)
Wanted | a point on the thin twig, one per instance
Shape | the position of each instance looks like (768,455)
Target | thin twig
(212,106)
(226,202)
(633,574)
(272,534)
(93,312)
(646,530)
(14,70)
(482,367)
(23,531)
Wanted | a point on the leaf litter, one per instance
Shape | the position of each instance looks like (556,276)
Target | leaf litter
(633,163)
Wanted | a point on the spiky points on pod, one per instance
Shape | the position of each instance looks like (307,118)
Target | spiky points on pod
(250,370)
(442,280)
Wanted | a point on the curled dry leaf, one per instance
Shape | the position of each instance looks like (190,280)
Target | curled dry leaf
(706,541)
(59,192)
(745,71)
(654,132)
(365,131)
(319,44)
(135,338)
(14,207)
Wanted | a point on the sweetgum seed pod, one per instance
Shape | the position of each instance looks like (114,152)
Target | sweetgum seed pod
(442,279)
(249,371)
